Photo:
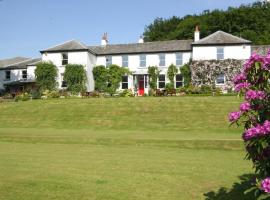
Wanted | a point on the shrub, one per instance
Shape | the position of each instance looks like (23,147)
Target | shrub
(186,73)
(46,73)
(153,76)
(54,94)
(171,73)
(126,93)
(35,94)
(169,86)
(75,77)
(206,89)
(254,115)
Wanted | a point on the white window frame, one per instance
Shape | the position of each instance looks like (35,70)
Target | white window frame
(25,78)
(142,60)
(124,82)
(176,81)
(179,59)
(162,59)
(224,79)
(108,60)
(220,53)
(161,81)
(64,59)
(125,61)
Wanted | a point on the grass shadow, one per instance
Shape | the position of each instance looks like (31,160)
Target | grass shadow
(235,192)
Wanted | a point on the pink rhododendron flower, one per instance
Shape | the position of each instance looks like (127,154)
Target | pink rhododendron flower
(254,58)
(266,185)
(239,78)
(241,86)
(234,116)
(257,131)
(245,107)
(255,95)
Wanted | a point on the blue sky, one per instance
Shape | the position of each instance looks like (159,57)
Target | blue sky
(28,26)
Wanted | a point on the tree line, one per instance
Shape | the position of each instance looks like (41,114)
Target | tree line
(250,21)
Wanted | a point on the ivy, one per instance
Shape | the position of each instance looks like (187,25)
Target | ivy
(186,73)
(171,73)
(75,77)
(46,73)
(153,76)
(109,79)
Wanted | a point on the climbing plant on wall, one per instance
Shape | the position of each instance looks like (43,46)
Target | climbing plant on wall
(75,77)
(171,73)
(153,72)
(100,74)
(206,72)
(46,73)
(186,74)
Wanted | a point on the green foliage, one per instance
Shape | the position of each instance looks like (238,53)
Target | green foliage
(23,97)
(36,94)
(169,86)
(171,73)
(127,93)
(46,73)
(108,79)
(100,74)
(75,77)
(153,76)
(186,73)
(248,21)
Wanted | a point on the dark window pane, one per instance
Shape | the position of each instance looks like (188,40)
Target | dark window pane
(124,85)
(124,78)
(179,84)
(179,77)
(161,85)
(161,78)
(64,84)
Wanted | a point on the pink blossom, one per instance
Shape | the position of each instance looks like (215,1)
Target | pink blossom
(234,116)
(245,107)
(257,131)
(266,185)
(239,78)
(241,86)
(255,95)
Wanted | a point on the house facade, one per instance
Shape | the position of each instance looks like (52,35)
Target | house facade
(137,57)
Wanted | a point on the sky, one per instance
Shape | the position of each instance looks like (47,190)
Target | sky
(28,26)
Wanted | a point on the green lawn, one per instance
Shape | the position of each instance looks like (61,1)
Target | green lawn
(121,148)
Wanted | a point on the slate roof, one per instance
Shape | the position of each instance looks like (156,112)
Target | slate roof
(67,46)
(11,61)
(147,47)
(21,64)
(219,38)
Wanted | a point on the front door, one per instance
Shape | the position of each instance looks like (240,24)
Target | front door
(141,85)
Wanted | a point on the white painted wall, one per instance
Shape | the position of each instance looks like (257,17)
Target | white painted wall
(31,72)
(240,52)
(15,75)
(81,58)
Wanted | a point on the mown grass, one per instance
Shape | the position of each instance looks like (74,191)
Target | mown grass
(126,148)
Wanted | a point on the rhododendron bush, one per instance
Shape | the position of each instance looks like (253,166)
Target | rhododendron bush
(254,114)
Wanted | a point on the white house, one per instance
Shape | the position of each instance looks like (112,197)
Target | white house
(139,56)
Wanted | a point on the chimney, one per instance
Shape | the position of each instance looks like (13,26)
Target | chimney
(141,40)
(104,40)
(197,34)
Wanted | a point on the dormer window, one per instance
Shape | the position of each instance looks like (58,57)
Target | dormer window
(64,59)
(220,53)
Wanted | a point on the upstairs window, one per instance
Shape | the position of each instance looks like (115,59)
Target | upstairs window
(142,60)
(108,61)
(24,74)
(162,60)
(220,53)
(125,61)
(161,81)
(64,59)
(179,59)
(220,79)
(124,82)
(178,81)
(7,75)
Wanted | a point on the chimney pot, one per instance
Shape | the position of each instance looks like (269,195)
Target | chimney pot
(197,34)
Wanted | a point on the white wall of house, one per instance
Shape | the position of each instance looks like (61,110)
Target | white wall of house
(31,72)
(82,58)
(151,60)
(240,52)
(15,75)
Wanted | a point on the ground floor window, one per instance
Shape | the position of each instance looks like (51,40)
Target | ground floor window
(161,81)
(220,79)
(124,82)
(178,81)
(63,83)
